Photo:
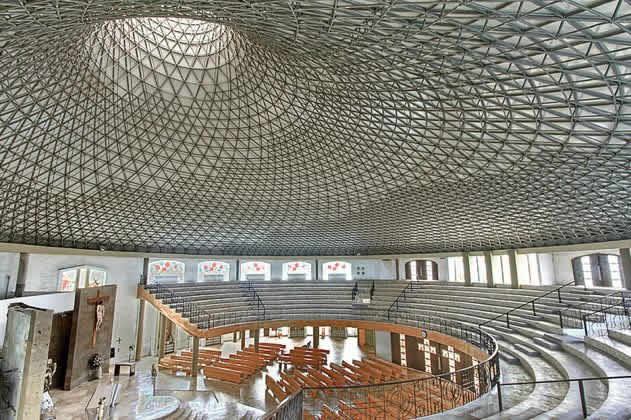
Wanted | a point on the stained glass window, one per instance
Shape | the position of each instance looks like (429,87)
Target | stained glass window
(213,270)
(297,269)
(337,270)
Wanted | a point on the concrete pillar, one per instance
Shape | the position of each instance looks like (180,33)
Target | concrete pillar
(140,329)
(316,337)
(512,265)
(162,334)
(20,282)
(397,275)
(242,339)
(257,333)
(488,262)
(141,310)
(625,262)
(26,342)
(195,363)
(466,266)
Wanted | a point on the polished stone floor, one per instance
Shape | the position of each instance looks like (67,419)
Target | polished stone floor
(222,399)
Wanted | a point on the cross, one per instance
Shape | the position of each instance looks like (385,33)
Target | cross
(98,300)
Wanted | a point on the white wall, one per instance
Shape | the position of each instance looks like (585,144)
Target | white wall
(383,345)
(59,302)
(41,275)
(563,263)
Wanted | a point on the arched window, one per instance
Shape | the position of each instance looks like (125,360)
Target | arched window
(296,270)
(166,271)
(337,270)
(81,276)
(421,270)
(598,270)
(255,270)
(213,271)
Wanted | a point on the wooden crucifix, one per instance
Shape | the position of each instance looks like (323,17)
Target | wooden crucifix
(100,313)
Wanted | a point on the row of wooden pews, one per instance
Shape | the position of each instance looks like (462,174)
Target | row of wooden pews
(183,362)
(235,368)
(405,400)
(302,357)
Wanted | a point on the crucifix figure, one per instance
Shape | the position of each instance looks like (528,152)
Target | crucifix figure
(100,314)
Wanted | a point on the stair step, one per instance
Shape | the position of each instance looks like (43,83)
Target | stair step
(623,336)
(612,348)
(526,350)
(503,329)
(533,317)
(509,358)
(550,345)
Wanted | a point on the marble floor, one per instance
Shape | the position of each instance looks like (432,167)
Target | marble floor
(222,399)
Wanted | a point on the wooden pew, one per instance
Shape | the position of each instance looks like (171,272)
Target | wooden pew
(276,390)
(223,374)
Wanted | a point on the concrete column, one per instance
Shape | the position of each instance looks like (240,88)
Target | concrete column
(26,342)
(466,266)
(397,275)
(162,335)
(512,265)
(488,262)
(257,333)
(625,262)
(242,339)
(141,311)
(140,329)
(20,283)
(195,364)
(316,337)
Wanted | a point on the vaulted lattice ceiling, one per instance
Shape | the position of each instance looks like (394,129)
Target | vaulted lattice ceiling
(314,127)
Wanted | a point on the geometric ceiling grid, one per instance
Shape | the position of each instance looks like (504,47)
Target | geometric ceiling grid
(326,127)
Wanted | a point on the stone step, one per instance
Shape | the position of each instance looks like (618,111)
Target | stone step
(546,344)
(533,317)
(510,359)
(560,339)
(526,350)
(617,350)
(623,336)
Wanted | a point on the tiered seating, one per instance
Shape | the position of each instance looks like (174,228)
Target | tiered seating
(227,302)
(306,299)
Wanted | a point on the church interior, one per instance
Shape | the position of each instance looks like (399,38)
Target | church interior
(331,210)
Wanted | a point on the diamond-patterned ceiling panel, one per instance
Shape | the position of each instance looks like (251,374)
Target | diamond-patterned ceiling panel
(314,127)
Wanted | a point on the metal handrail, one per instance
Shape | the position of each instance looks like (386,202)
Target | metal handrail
(531,302)
(487,371)
(581,389)
(259,301)
(195,314)
(580,314)
(410,286)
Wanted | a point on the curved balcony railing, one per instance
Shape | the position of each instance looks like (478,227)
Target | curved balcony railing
(408,398)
